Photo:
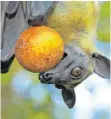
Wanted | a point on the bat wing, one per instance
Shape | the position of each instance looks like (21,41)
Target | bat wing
(13,22)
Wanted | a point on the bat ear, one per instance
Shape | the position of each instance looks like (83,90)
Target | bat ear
(102,65)
(69,97)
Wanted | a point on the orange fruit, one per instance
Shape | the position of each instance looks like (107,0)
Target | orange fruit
(39,48)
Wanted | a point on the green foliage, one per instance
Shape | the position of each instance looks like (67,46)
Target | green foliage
(104,23)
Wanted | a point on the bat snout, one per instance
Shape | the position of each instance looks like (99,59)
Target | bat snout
(46,77)
(49,77)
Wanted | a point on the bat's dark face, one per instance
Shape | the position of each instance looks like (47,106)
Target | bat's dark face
(72,70)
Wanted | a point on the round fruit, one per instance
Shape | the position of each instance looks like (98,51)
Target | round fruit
(39,48)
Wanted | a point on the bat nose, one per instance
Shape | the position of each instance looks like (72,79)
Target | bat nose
(48,76)
(45,77)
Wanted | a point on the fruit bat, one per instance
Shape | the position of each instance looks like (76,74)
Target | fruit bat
(76,23)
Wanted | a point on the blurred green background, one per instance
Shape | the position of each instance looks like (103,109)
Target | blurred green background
(24,97)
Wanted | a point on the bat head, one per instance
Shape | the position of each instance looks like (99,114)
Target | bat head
(75,67)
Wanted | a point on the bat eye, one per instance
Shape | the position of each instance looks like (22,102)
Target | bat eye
(76,72)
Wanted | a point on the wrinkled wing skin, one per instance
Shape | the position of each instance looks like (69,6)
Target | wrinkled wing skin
(15,17)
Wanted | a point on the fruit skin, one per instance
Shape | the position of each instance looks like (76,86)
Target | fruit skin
(39,48)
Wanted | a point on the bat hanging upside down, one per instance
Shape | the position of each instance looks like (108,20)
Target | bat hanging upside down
(76,22)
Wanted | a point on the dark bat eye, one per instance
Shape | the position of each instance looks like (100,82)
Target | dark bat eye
(76,72)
